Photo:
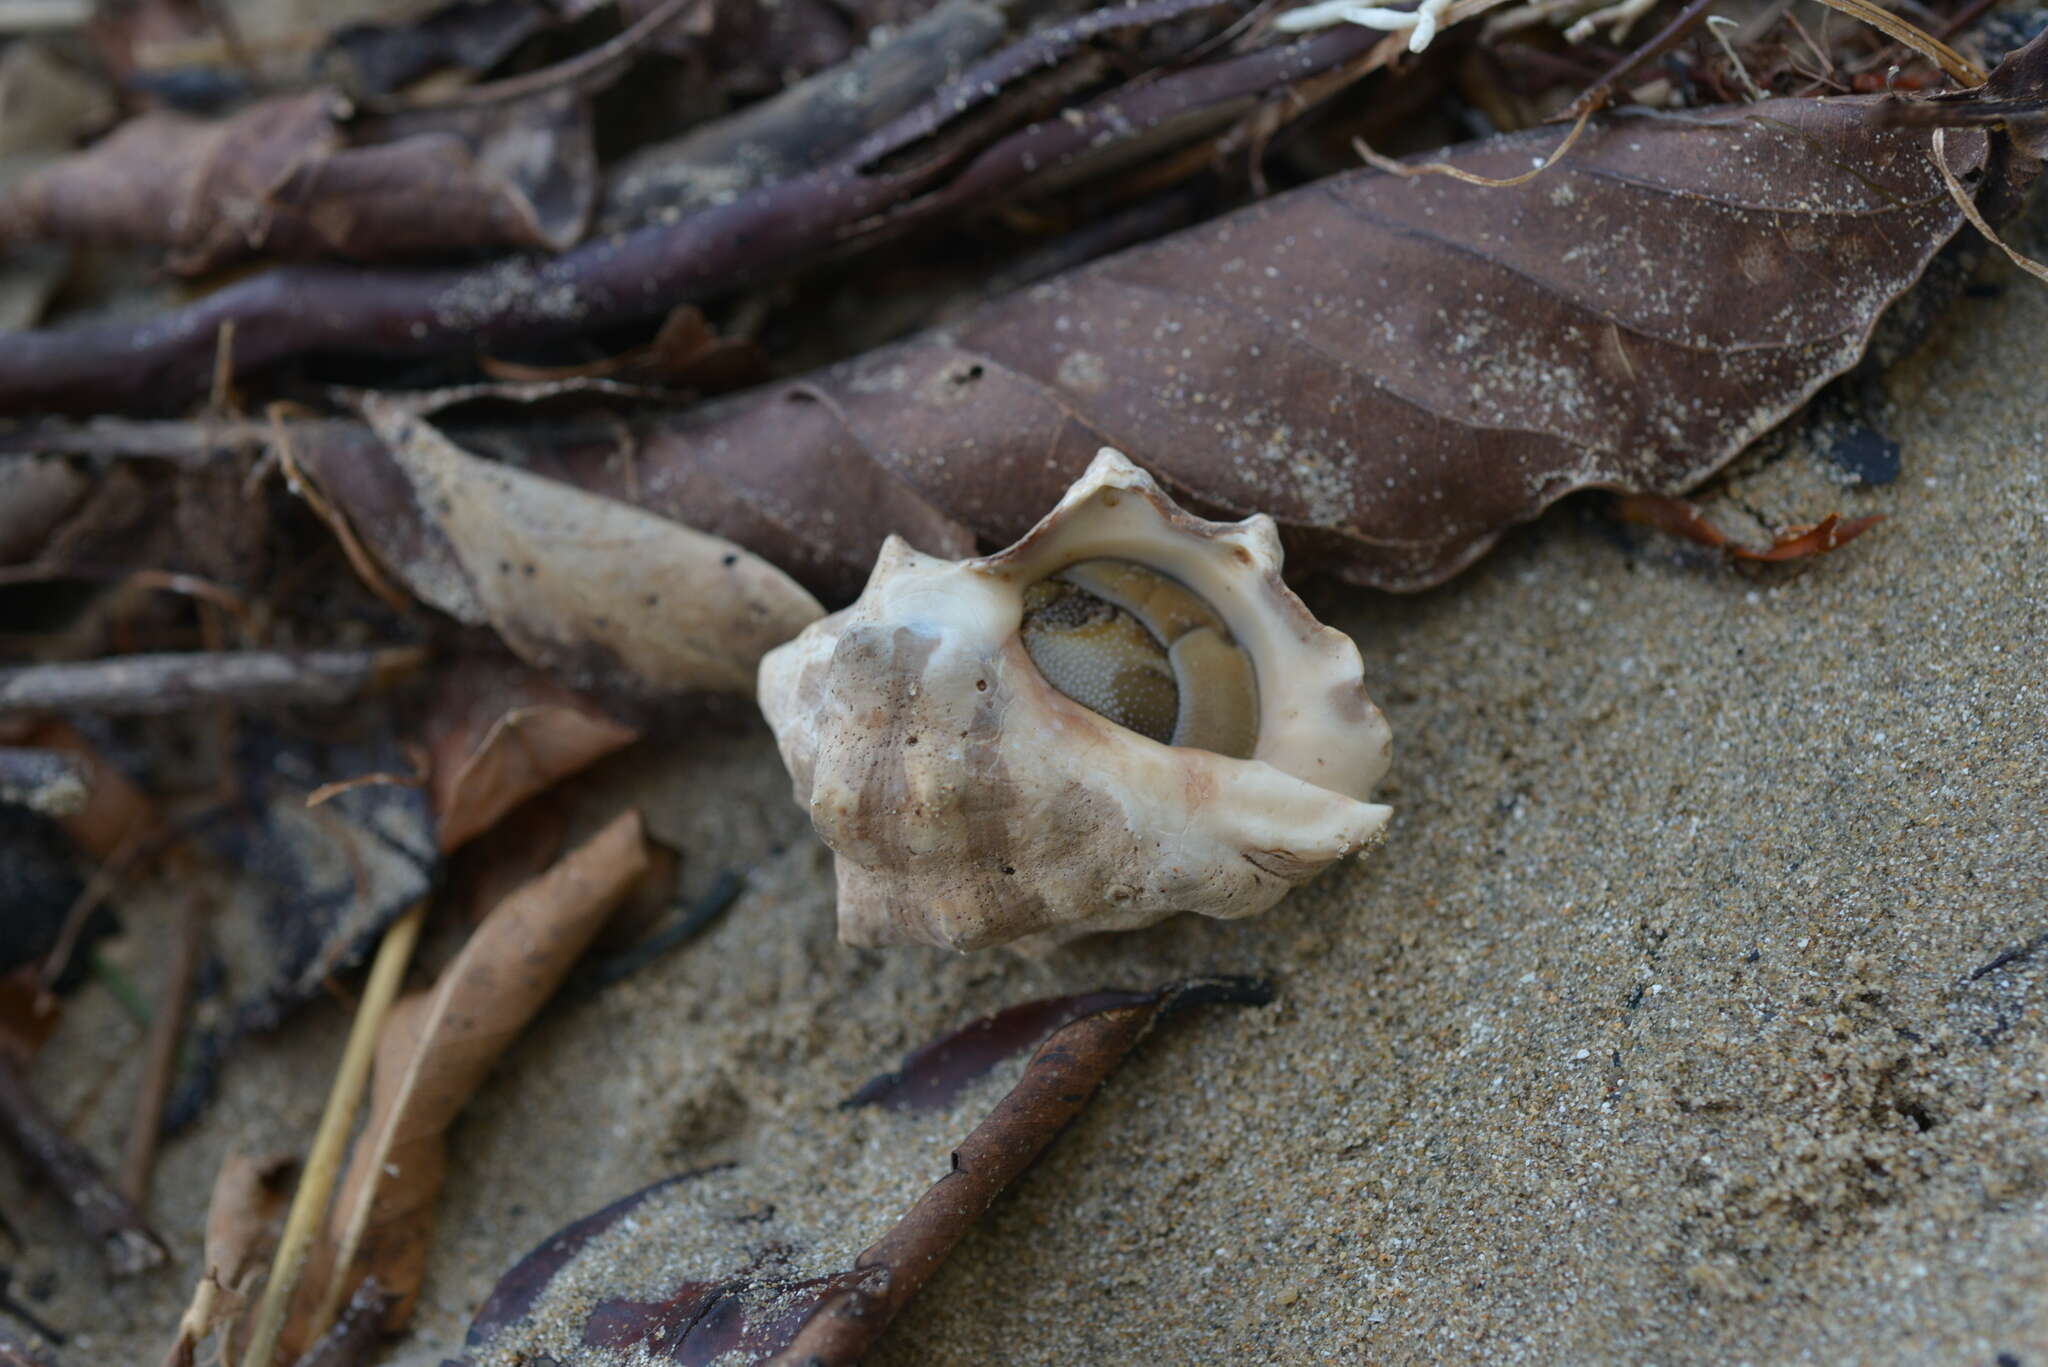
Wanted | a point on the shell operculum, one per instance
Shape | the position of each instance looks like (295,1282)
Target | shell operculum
(1124,715)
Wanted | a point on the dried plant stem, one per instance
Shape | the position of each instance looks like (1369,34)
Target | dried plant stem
(323,1163)
(379,1144)
(1938,154)
(1444,168)
(1962,69)
(161,1064)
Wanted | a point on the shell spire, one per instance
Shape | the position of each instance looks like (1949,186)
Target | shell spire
(1124,715)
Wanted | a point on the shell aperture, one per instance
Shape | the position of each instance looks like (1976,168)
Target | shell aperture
(1142,650)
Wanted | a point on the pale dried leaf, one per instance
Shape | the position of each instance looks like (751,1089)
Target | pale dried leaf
(574,582)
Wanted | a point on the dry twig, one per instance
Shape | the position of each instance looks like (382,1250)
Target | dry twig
(125,1238)
(131,685)
(323,1161)
(166,1028)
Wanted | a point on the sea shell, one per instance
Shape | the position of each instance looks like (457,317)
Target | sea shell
(970,737)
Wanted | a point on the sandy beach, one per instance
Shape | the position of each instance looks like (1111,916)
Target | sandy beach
(1691,1014)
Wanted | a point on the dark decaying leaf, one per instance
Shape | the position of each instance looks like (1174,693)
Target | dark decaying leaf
(469,35)
(770,1304)
(288,178)
(39,884)
(320,883)
(1396,370)
(354,1338)
(933,1076)
(315,887)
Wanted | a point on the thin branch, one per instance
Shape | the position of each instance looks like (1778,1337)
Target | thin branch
(125,1238)
(166,1028)
(593,68)
(131,685)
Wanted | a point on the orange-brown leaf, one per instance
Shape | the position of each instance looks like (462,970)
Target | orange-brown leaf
(1680,518)
(501,734)
(436,1049)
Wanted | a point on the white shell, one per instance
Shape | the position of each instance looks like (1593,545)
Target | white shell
(971,804)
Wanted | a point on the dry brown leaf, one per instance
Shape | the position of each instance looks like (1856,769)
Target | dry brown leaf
(287,178)
(248,1197)
(590,588)
(501,733)
(436,1049)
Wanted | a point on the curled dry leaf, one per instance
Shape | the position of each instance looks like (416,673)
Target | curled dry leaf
(248,1197)
(586,586)
(435,1050)
(287,178)
(737,1290)
(499,733)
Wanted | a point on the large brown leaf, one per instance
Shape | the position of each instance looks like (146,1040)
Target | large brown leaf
(1396,369)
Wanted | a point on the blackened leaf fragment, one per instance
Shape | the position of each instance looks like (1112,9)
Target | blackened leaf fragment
(322,883)
(769,1307)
